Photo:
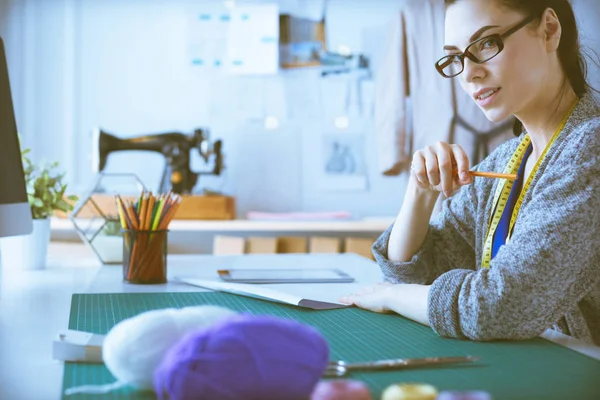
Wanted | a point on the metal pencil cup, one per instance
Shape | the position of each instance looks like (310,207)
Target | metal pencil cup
(145,256)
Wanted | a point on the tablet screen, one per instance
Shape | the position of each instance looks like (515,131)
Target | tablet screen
(284,275)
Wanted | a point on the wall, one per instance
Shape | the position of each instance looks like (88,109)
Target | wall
(587,13)
(121,65)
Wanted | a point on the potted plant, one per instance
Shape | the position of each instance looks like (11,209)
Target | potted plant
(46,195)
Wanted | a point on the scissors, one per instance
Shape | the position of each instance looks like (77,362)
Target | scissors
(341,368)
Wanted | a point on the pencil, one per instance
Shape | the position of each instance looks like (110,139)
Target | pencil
(170,214)
(121,212)
(142,212)
(149,212)
(510,177)
(130,209)
(158,214)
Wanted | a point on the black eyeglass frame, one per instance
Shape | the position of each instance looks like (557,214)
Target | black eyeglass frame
(499,39)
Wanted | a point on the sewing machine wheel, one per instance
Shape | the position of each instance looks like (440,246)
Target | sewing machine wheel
(176,177)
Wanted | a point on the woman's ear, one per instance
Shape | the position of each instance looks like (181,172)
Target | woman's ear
(552,29)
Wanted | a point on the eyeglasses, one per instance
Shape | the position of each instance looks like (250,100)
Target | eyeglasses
(480,51)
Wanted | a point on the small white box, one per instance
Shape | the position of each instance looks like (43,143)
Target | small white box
(79,346)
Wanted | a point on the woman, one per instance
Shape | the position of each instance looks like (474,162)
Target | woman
(484,268)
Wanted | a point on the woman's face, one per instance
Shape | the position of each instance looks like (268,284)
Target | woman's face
(516,75)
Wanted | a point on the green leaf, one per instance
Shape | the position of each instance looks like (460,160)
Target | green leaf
(37,202)
(45,188)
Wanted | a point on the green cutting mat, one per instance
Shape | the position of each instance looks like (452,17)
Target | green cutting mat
(534,369)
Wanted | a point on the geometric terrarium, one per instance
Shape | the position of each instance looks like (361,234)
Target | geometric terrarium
(96,218)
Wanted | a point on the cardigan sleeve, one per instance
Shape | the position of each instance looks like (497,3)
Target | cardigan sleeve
(550,263)
(448,244)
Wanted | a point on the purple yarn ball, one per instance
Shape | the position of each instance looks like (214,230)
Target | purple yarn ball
(244,357)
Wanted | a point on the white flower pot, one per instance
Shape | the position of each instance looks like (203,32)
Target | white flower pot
(27,251)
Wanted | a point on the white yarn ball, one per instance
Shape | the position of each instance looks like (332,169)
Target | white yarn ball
(134,347)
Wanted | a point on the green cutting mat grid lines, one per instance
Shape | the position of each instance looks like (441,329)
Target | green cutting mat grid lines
(534,369)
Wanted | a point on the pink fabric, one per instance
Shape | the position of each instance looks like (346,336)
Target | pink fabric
(298,216)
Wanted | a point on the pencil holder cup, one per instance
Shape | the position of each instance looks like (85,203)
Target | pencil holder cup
(145,256)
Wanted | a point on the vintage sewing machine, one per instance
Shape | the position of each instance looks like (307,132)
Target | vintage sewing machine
(174,146)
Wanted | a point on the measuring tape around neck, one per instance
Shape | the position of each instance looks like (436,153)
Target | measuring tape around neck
(503,189)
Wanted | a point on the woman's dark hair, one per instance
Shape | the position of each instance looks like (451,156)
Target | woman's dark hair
(569,50)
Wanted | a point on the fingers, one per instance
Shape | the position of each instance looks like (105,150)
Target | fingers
(442,167)
(354,298)
(462,164)
(445,158)
(419,169)
(367,302)
(431,166)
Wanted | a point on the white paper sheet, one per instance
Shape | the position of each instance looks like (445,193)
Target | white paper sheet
(253,44)
(260,292)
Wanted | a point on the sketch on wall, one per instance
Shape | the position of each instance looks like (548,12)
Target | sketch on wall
(342,163)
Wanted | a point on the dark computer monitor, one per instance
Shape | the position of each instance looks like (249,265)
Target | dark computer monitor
(15,213)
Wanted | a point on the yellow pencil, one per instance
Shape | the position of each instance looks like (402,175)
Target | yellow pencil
(121,212)
(158,214)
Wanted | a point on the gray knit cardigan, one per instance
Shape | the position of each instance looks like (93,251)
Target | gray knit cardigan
(547,276)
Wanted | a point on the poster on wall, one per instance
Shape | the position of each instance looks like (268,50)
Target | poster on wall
(236,39)
(342,163)
(208,30)
(253,46)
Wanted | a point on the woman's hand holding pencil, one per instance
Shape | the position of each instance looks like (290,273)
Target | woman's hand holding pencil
(445,168)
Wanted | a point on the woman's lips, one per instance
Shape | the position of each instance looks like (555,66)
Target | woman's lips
(485,97)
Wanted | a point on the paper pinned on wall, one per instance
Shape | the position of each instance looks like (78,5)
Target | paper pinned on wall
(208,37)
(253,45)
(342,165)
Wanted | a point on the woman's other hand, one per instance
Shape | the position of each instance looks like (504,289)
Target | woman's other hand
(408,300)
(442,168)
(376,297)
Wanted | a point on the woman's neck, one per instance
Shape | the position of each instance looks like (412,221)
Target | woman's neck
(543,117)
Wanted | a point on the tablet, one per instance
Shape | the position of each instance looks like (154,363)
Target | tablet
(284,275)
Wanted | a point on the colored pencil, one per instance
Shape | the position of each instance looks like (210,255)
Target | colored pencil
(145,224)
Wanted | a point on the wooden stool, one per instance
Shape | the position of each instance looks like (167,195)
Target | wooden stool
(291,244)
(223,245)
(359,246)
(320,244)
(261,245)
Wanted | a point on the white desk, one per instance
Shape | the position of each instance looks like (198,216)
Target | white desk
(34,305)
(364,271)
(374,225)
